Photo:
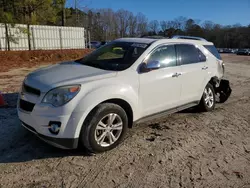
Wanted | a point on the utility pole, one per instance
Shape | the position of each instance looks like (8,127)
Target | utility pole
(63,13)
(76,13)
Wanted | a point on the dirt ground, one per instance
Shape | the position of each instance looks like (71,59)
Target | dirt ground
(185,149)
(28,59)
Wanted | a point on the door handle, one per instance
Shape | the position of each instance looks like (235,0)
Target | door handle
(204,68)
(176,74)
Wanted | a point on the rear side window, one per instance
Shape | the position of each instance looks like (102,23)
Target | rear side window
(189,54)
(202,57)
(213,50)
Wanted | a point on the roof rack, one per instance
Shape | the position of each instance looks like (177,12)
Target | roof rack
(187,37)
(154,37)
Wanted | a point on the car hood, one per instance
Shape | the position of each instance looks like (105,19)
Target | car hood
(65,73)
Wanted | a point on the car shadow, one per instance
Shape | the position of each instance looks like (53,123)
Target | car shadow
(19,145)
(192,110)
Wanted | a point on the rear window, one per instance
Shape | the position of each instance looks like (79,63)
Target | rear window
(213,50)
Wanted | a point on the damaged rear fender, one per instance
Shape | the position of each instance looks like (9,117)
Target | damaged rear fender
(223,90)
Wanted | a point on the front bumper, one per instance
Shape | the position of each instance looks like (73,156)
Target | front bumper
(64,143)
(38,119)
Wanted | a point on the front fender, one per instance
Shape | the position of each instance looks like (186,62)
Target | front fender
(94,97)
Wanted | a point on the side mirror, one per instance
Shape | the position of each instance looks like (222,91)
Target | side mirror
(151,65)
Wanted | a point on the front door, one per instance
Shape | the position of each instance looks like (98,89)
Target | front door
(160,89)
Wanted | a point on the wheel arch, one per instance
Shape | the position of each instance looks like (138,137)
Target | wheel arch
(126,107)
(214,81)
(88,130)
(89,106)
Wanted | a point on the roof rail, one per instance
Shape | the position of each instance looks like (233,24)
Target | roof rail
(187,37)
(154,37)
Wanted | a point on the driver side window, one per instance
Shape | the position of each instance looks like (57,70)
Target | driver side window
(165,55)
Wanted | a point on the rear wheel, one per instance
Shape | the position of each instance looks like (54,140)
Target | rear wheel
(104,128)
(207,102)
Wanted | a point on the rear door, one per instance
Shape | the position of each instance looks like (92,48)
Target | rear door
(194,70)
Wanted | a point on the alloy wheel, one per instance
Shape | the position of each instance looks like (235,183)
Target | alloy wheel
(108,130)
(209,97)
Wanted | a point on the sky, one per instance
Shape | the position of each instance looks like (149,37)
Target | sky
(225,12)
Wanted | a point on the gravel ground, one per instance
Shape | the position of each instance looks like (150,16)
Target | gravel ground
(185,149)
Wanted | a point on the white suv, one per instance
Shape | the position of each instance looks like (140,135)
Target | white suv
(94,100)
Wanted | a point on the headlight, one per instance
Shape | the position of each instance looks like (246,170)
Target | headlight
(61,95)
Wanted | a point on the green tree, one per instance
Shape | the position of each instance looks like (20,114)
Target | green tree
(36,11)
(60,9)
(6,11)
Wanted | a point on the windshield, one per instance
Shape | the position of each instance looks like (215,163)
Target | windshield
(116,56)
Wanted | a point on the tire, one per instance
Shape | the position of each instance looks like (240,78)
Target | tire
(105,119)
(207,104)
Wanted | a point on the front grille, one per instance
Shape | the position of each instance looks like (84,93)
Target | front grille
(31,90)
(26,106)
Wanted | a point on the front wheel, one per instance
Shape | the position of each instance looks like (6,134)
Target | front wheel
(104,128)
(207,102)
